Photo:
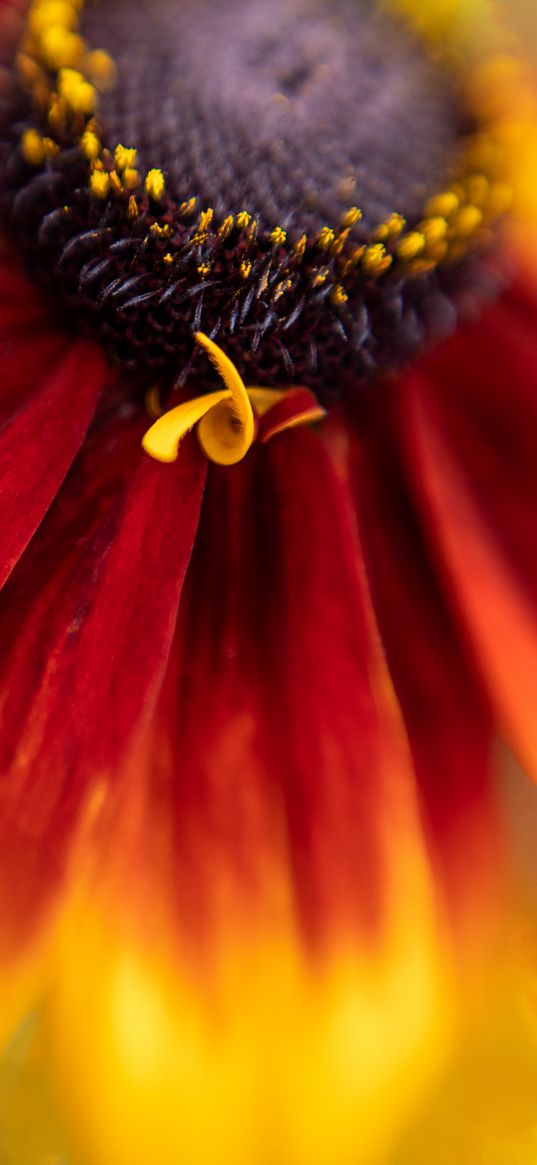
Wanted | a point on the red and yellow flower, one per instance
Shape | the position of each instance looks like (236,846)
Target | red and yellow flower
(257,655)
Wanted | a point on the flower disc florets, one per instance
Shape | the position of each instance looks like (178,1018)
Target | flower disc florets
(298,180)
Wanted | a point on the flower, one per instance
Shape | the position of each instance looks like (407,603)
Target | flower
(251,856)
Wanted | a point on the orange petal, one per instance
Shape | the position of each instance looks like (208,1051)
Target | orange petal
(470,419)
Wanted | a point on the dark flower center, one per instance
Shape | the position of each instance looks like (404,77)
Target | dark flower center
(291,111)
(295,178)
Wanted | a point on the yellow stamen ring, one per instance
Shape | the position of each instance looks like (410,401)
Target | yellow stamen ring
(225,420)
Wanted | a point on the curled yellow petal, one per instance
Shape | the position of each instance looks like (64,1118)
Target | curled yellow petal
(226,432)
(162,440)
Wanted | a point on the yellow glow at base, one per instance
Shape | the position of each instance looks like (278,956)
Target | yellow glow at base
(270,1063)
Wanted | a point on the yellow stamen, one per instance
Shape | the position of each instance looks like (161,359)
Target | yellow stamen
(442,205)
(375,260)
(101,69)
(390,229)
(351,217)
(100,184)
(90,145)
(57,13)
(78,94)
(155,185)
(130,179)
(226,228)
(61,49)
(326,238)
(278,237)
(467,221)
(125,158)
(411,246)
(339,296)
(33,147)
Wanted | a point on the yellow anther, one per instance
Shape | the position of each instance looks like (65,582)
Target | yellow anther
(390,229)
(188,208)
(282,289)
(340,242)
(204,270)
(161,230)
(60,49)
(132,209)
(115,182)
(125,159)
(410,247)
(243,220)
(226,228)
(168,258)
(375,260)
(300,247)
(442,205)
(278,237)
(33,147)
(433,230)
(205,221)
(326,238)
(320,277)
(130,179)
(155,185)
(246,269)
(466,222)
(53,13)
(100,184)
(351,217)
(100,69)
(90,145)
(339,296)
(76,91)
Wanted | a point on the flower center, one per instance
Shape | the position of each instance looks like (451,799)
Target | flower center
(290,111)
(295,178)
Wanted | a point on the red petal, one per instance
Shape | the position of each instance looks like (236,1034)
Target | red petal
(470,418)
(449,725)
(288,772)
(298,407)
(86,623)
(39,441)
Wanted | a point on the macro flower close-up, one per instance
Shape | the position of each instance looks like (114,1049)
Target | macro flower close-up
(268,605)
